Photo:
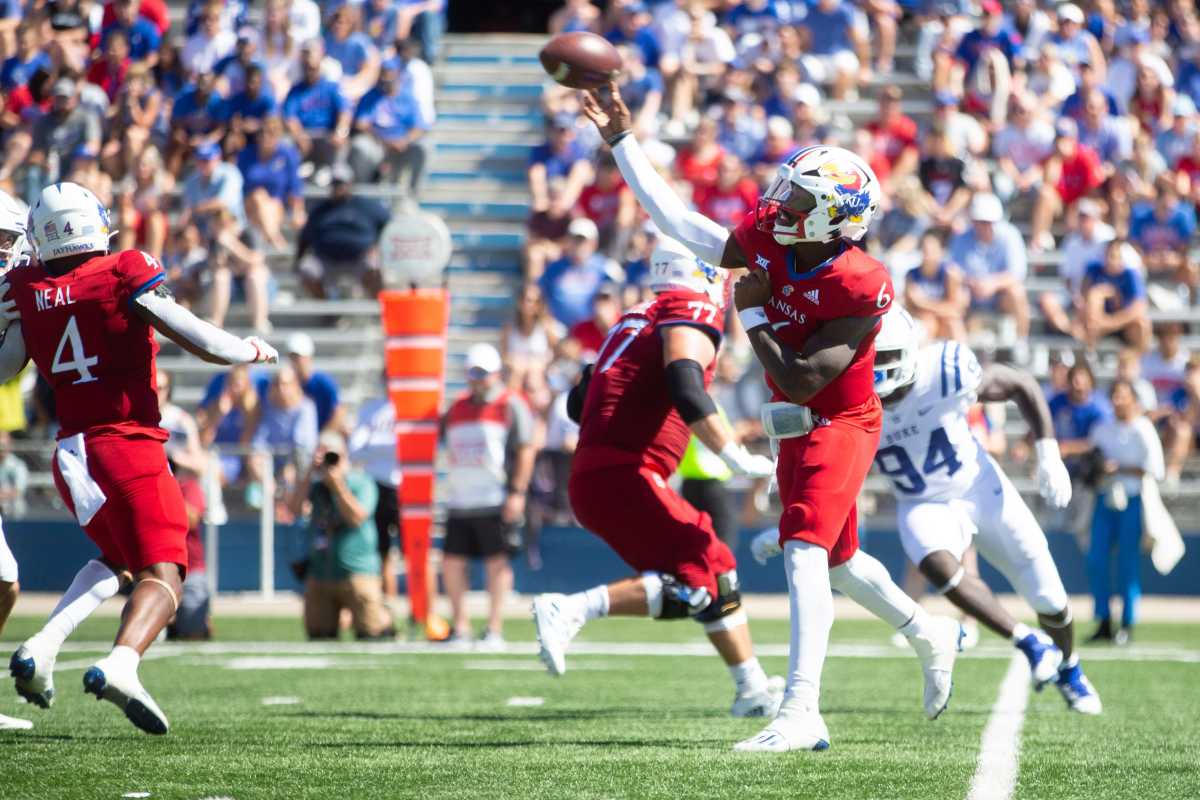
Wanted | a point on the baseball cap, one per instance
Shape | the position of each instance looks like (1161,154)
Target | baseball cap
(584,228)
(1066,128)
(208,151)
(807,94)
(991,7)
(300,344)
(341,173)
(986,208)
(1088,208)
(63,87)
(483,358)
(1069,12)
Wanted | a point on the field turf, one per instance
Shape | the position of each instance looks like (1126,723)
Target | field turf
(262,714)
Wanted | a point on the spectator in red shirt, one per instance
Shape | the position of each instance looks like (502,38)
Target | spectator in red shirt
(698,161)
(1072,171)
(610,204)
(732,197)
(894,135)
(546,230)
(590,333)
(109,71)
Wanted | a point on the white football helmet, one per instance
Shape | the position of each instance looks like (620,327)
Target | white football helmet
(897,346)
(673,266)
(820,194)
(67,220)
(13,244)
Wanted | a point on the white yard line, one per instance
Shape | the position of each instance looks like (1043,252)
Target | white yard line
(996,773)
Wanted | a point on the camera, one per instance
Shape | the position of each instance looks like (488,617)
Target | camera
(331,459)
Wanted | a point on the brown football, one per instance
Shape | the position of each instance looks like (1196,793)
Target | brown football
(580,60)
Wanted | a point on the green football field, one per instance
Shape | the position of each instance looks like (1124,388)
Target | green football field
(641,714)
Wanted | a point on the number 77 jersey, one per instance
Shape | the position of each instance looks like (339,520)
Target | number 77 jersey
(927,448)
(89,345)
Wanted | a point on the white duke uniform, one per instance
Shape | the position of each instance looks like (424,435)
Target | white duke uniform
(948,489)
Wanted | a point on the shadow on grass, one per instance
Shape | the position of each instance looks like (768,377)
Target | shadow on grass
(546,715)
(689,744)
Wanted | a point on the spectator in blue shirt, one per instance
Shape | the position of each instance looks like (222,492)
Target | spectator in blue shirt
(354,51)
(286,434)
(197,118)
(389,123)
(1076,411)
(320,387)
(934,291)
(571,283)
(833,45)
(212,186)
(1114,299)
(271,172)
(642,90)
(634,29)
(316,114)
(993,259)
(1162,230)
(232,69)
(248,108)
(144,38)
(341,237)
(29,58)
(991,35)
(560,156)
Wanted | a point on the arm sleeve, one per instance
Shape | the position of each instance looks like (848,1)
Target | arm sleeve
(695,231)
(203,335)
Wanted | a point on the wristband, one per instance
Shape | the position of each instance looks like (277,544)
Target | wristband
(753,317)
(613,140)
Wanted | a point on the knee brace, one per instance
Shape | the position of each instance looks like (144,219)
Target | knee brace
(668,598)
(725,611)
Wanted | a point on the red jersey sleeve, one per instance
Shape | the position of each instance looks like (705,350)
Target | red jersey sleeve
(692,309)
(869,291)
(744,234)
(137,272)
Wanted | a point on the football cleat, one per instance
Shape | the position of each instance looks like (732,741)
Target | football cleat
(760,704)
(970,638)
(937,645)
(32,668)
(123,689)
(798,727)
(14,724)
(1044,658)
(556,622)
(1077,690)
(491,642)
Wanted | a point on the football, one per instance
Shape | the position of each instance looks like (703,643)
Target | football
(580,60)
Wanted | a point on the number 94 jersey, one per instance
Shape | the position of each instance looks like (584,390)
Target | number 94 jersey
(89,345)
(927,449)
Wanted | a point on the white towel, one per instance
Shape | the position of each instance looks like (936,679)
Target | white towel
(86,494)
(1165,544)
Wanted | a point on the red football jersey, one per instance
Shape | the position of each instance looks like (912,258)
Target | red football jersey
(851,284)
(89,345)
(628,416)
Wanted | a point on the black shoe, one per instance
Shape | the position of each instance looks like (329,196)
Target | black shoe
(1124,636)
(1103,634)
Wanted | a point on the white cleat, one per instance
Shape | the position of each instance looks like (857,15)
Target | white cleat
(32,668)
(14,724)
(937,646)
(760,704)
(798,727)
(556,623)
(122,688)
(491,642)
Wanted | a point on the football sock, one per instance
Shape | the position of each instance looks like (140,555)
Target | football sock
(916,623)
(867,582)
(595,603)
(124,657)
(811,600)
(748,676)
(1020,631)
(93,584)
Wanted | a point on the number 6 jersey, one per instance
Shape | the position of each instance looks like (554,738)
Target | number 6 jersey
(927,449)
(90,346)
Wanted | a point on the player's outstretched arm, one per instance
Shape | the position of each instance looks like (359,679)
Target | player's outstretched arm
(687,352)
(826,354)
(157,308)
(1000,383)
(704,237)
(13,357)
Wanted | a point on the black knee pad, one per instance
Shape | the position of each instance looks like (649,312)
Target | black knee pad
(728,600)
(680,600)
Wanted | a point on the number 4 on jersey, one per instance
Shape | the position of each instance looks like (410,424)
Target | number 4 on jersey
(80,362)
(895,463)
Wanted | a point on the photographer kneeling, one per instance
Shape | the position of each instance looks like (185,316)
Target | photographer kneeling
(342,568)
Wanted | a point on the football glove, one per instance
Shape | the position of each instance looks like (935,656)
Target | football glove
(1054,482)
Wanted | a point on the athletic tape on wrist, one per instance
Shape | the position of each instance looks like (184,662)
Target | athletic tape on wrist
(753,317)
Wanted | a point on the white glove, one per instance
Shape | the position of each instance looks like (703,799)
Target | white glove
(743,462)
(765,545)
(1054,483)
(8,308)
(265,353)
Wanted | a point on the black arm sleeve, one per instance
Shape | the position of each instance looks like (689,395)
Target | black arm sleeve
(578,394)
(685,383)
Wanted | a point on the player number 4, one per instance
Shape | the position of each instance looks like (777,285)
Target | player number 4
(80,362)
